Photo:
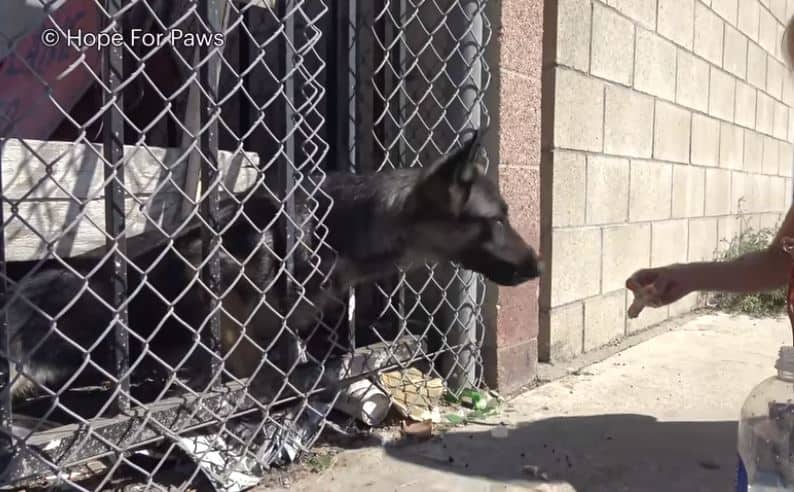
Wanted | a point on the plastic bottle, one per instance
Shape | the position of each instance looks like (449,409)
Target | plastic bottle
(766,432)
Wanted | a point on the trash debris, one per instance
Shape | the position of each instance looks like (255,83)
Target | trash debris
(418,430)
(364,401)
(212,454)
(469,398)
(232,466)
(534,471)
(414,394)
(487,406)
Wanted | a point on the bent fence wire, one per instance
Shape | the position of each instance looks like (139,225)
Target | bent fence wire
(129,124)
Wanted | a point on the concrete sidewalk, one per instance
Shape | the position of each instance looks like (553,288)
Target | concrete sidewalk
(659,416)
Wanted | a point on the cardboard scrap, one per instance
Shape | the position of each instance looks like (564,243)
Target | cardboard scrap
(414,394)
(418,430)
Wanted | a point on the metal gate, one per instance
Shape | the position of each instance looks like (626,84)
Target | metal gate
(128,125)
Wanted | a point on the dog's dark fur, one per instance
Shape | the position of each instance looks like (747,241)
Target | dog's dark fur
(357,229)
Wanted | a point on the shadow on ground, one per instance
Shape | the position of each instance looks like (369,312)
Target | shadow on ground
(592,453)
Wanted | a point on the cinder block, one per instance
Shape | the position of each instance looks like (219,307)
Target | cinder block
(607,189)
(753,152)
(779,46)
(767,33)
(705,140)
(568,189)
(718,196)
(774,78)
(685,305)
(604,319)
(777,194)
(669,242)
(745,104)
(708,34)
(752,222)
(628,123)
(566,332)
(654,66)
(786,158)
(748,18)
(671,132)
(722,95)
(648,318)
(735,60)
(676,21)
(760,194)
(613,45)
(790,130)
(689,187)
(731,146)
(642,11)
(780,120)
(692,81)
(572,248)
(728,228)
(755,191)
(778,8)
(770,221)
(727,9)
(578,111)
(573,33)
(789,192)
(739,203)
(626,249)
(771,156)
(788,89)
(765,114)
(756,66)
(651,190)
(702,239)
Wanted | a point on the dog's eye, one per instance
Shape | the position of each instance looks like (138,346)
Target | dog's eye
(499,223)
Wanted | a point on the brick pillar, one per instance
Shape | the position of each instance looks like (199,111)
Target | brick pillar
(511,345)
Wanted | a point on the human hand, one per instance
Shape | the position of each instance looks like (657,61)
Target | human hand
(657,287)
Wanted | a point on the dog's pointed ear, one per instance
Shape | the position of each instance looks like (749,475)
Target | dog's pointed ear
(447,182)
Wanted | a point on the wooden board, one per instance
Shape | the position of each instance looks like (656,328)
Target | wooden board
(53,193)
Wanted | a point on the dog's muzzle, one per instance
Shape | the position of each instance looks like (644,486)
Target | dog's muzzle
(530,269)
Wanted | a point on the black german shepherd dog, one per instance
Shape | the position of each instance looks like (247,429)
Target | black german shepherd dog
(357,228)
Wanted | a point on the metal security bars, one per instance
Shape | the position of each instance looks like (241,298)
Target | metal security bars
(139,141)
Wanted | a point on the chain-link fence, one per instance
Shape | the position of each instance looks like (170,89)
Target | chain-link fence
(169,238)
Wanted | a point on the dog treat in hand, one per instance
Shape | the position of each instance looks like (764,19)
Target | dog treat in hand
(639,299)
(636,306)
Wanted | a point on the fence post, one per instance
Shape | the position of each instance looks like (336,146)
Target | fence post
(211,12)
(287,169)
(465,72)
(341,107)
(116,239)
(6,413)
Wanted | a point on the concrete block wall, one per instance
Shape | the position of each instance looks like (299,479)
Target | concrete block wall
(666,128)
